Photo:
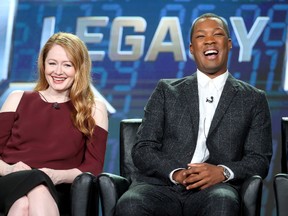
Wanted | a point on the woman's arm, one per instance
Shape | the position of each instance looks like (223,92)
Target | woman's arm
(62,176)
(100,114)
(10,105)
(6,169)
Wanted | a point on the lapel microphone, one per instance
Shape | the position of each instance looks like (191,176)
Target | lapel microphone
(56,105)
(209,100)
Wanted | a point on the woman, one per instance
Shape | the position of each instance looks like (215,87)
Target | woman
(52,134)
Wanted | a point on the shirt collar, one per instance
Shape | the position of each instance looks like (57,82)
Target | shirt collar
(218,81)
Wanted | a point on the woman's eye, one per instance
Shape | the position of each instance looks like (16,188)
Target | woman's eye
(67,65)
(52,63)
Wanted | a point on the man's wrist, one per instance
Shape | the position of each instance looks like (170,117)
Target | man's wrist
(171,175)
(227,173)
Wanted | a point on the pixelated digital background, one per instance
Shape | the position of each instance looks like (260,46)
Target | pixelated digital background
(134,43)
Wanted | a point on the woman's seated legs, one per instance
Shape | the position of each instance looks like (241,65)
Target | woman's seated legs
(20,207)
(38,201)
(41,202)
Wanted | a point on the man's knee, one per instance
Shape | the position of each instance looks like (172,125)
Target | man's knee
(128,205)
(223,200)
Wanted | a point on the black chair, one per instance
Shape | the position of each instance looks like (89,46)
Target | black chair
(84,197)
(111,186)
(281,179)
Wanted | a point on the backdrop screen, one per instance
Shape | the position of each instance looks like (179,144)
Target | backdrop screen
(134,43)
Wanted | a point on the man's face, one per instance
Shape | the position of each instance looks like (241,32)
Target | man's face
(210,46)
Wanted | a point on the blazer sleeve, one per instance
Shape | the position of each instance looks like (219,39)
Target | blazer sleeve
(147,153)
(257,147)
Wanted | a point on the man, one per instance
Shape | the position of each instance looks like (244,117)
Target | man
(201,136)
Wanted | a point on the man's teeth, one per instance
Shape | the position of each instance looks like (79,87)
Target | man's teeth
(209,52)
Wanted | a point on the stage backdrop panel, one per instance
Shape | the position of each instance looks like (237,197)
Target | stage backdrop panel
(134,43)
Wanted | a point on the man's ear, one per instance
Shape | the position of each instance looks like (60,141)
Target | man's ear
(230,41)
(191,48)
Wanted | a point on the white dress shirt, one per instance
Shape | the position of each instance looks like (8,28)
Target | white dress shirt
(209,91)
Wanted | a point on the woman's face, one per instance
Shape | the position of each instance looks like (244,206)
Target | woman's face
(59,70)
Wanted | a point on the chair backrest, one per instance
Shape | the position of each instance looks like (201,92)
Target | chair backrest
(284,136)
(128,130)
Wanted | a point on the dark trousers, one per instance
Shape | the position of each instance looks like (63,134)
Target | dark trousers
(146,199)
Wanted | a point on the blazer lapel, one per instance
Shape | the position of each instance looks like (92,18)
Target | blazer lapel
(192,100)
(228,93)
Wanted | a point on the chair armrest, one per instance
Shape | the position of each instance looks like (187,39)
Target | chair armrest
(251,194)
(111,188)
(281,195)
(84,195)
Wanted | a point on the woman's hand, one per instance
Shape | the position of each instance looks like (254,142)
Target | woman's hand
(55,175)
(61,176)
(19,166)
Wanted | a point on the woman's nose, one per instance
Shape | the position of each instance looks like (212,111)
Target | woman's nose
(58,69)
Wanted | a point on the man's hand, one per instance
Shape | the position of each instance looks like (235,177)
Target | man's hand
(180,175)
(201,176)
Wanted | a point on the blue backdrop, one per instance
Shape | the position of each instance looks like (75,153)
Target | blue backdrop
(134,43)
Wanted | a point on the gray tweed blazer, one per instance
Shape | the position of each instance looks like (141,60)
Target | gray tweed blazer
(239,136)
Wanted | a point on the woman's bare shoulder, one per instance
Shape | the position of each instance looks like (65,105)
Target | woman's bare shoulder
(12,101)
(100,113)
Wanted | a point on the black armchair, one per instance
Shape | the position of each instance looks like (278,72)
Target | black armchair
(281,179)
(84,197)
(111,186)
